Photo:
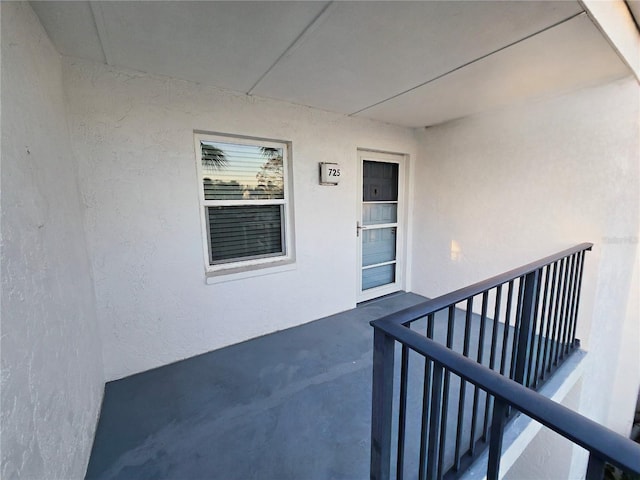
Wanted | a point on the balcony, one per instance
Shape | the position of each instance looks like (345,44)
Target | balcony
(296,404)
(453,430)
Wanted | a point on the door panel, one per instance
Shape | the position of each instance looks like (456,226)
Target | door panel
(377,213)
(378,276)
(378,246)
(379,181)
(379,227)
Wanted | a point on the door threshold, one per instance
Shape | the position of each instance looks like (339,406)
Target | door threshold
(382,297)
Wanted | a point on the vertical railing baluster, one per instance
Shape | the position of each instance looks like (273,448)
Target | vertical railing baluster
(430,326)
(467,327)
(436,419)
(445,399)
(550,314)
(516,330)
(474,415)
(463,385)
(426,412)
(534,326)
(505,333)
(595,467)
(526,324)
(402,414)
(563,309)
(578,291)
(494,332)
(565,267)
(556,313)
(570,298)
(495,439)
(573,305)
(492,357)
(382,405)
(543,334)
(426,406)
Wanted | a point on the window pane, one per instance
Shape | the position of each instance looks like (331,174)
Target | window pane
(377,213)
(244,232)
(378,246)
(379,182)
(378,276)
(236,172)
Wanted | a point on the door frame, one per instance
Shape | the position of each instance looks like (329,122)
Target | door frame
(401,232)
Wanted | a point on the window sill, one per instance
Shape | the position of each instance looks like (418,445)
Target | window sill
(240,273)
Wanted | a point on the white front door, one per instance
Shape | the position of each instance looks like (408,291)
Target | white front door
(380,226)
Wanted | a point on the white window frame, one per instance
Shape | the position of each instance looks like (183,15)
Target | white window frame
(250,266)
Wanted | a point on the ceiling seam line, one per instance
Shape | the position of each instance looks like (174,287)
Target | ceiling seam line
(100,30)
(470,62)
(307,30)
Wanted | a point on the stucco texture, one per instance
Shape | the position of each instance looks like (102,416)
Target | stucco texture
(134,136)
(510,186)
(52,376)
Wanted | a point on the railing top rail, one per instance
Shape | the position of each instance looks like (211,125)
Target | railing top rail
(436,304)
(604,443)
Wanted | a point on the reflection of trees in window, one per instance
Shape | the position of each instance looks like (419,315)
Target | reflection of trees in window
(243,200)
(219,190)
(271,175)
(213,157)
(269,183)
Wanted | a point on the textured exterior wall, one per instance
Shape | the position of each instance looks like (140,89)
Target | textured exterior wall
(512,186)
(548,454)
(52,377)
(622,408)
(134,138)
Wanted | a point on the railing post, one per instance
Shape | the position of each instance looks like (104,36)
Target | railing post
(495,438)
(595,468)
(382,405)
(435,423)
(529,300)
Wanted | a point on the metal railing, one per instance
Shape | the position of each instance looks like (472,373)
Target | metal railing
(532,331)
(603,444)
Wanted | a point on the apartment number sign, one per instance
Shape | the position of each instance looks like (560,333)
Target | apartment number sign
(329,173)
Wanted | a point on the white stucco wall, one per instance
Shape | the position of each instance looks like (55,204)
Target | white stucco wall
(548,453)
(52,376)
(133,135)
(622,408)
(522,183)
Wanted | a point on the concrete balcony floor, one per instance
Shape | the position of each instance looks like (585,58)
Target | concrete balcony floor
(295,404)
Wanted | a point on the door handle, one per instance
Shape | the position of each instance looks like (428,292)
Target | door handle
(358,228)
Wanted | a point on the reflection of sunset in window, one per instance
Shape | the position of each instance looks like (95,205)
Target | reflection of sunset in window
(242,171)
(244,202)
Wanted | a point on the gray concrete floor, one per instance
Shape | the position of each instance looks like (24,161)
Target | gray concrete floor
(291,405)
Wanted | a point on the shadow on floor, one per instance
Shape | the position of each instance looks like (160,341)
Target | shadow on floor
(295,404)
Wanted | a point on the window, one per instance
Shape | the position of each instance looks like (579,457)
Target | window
(244,198)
